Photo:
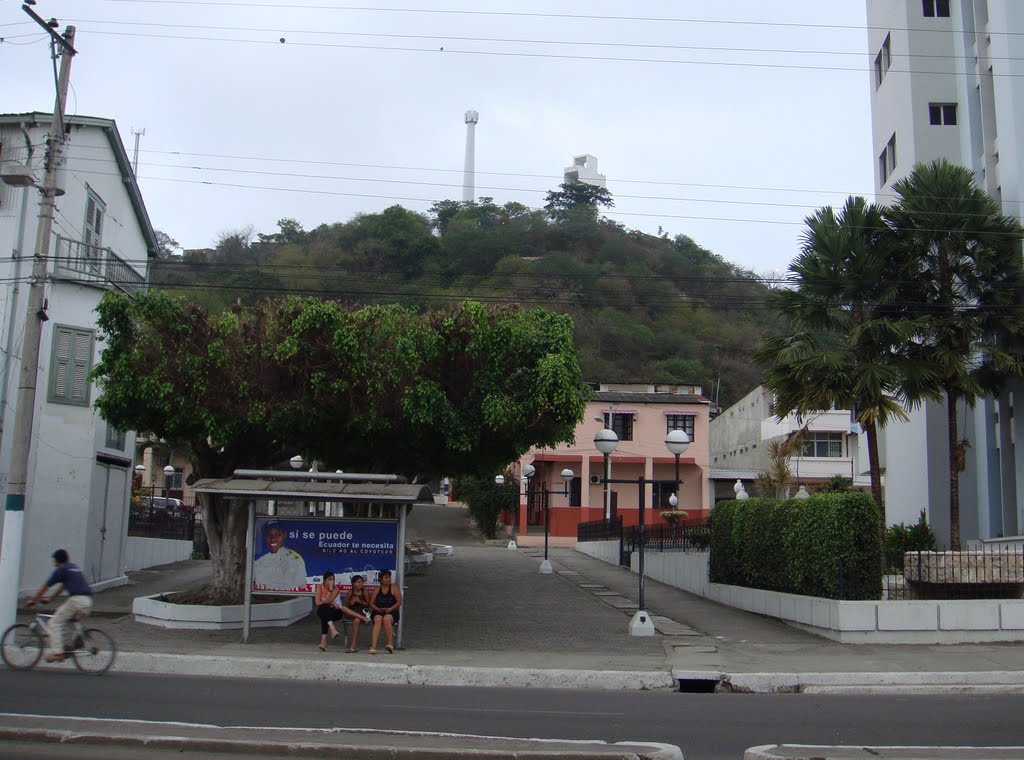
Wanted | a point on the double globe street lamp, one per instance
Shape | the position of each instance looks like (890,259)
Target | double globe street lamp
(606,441)
(528,472)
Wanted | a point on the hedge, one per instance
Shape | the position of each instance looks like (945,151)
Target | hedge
(827,545)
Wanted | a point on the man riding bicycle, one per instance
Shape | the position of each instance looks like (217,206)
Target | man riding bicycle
(69,576)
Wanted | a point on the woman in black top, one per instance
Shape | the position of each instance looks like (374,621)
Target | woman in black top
(384,603)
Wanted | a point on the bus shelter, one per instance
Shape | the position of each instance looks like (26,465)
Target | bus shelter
(311,522)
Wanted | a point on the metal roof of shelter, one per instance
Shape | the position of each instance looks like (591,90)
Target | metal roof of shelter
(260,488)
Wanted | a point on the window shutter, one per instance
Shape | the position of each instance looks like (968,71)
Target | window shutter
(83,353)
(90,211)
(62,363)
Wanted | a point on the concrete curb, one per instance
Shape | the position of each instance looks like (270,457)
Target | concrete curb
(980,682)
(392,673)
(818,752)
(293,742)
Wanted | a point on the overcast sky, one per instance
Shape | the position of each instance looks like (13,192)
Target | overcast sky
(725,121)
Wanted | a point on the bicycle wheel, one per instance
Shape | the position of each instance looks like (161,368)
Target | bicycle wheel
(97,652)
(22,646)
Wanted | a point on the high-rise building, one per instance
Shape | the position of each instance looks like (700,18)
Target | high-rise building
(947,81)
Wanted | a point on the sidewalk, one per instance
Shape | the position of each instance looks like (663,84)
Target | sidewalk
(485,616)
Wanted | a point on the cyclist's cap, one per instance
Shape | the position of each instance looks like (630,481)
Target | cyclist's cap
(61,555)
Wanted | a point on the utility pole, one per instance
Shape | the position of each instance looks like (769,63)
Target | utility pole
(17,481)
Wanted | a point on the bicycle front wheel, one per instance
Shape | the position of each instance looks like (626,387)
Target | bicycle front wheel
(21,646)
(97,652)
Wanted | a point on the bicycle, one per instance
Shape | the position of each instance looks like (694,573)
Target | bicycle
(92,649)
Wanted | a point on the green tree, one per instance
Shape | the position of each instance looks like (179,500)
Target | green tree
(166,244)
(577,198)
(381,389)
(965,288)
(840,346)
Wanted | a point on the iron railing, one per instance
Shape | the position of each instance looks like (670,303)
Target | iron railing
(984,572)
(162,523)
(91,263)
(600,530)
(693,534)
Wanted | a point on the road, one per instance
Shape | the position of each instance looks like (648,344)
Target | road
(704,725)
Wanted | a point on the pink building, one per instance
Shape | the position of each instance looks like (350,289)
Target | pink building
(641,415)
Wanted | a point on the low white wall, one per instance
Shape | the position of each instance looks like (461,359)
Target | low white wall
(606,551)
(152,611)
(141,553)
(959,621)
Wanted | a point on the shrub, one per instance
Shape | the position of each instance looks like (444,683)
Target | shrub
(826,545)
(902,538)
(486,500)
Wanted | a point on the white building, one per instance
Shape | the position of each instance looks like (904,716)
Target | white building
(741,434)
(584,169)
(947,81)
(80,468)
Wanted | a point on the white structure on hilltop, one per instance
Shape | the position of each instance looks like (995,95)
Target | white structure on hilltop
(469,172)
(584,169)
(947,81)
(80,468)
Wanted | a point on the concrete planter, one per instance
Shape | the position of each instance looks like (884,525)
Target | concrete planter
(152,611)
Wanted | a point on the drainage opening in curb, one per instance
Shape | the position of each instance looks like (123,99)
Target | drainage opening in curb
(697,685)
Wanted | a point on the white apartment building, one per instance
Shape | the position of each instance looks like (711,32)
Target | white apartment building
(947,81)
(80,468)
(584,169)
(742,433)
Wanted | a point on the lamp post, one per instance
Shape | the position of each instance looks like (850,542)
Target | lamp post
(640,624)
(528,472)
(677,442)
(168,474)
(499,479)
(606,441)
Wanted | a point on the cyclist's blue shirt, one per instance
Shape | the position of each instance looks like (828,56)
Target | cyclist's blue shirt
(70,576)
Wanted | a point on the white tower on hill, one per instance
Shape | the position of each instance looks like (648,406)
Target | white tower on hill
(469,173)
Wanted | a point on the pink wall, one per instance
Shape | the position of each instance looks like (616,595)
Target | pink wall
(645,456)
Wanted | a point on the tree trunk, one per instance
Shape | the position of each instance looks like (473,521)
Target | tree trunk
(955,462)
(871,429)
(226,522)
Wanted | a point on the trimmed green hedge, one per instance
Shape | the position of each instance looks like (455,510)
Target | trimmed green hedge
(827,545)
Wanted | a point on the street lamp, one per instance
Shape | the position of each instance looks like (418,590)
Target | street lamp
(528,472)
(168,474)
(296,462)
(641,624)
(606,441)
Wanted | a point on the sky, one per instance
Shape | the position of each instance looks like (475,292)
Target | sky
(726,121)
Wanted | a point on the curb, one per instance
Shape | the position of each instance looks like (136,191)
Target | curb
(965,682)
(393,673)
(819,752)
(360,745)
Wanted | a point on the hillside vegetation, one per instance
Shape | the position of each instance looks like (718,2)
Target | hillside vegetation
(646,308)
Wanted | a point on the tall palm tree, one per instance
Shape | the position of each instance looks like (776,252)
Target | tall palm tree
(965,287)
(842,346)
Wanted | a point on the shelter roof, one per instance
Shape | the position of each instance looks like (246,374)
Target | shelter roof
(249,488)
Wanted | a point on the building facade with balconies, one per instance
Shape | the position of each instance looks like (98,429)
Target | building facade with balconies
(742,434)
(80,468)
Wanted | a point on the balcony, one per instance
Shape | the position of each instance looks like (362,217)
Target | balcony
(95,265)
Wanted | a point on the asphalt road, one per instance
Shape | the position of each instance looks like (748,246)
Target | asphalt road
(704,726)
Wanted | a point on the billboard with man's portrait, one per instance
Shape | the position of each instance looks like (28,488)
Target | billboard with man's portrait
(291,554)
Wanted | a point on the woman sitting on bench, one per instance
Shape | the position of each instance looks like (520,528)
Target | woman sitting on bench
(327,608)
(357,607)
(384,604)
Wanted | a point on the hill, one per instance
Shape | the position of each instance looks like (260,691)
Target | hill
(646,308)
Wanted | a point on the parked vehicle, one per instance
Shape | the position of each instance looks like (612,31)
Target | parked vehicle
(168,503)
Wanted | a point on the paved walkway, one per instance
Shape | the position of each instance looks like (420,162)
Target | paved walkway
(486,615)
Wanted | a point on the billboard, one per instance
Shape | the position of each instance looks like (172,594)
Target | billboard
(291,554)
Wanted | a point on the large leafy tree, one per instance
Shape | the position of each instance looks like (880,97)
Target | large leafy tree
(966,287)
(577,198)
(841,345)
(378,389)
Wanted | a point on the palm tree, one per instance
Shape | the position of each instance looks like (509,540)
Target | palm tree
(842,346)
(965,288)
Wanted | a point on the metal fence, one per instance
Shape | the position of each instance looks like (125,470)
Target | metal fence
(985,572)
(600,530)
(693,534)
(162,523)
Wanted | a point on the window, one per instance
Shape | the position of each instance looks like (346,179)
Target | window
(621,424)
(71,360)
(942,114)
(933,8)
(115,438)
(883,61)
(887,160)
(95,212)
(682,422)
(174,482)
(823,445)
